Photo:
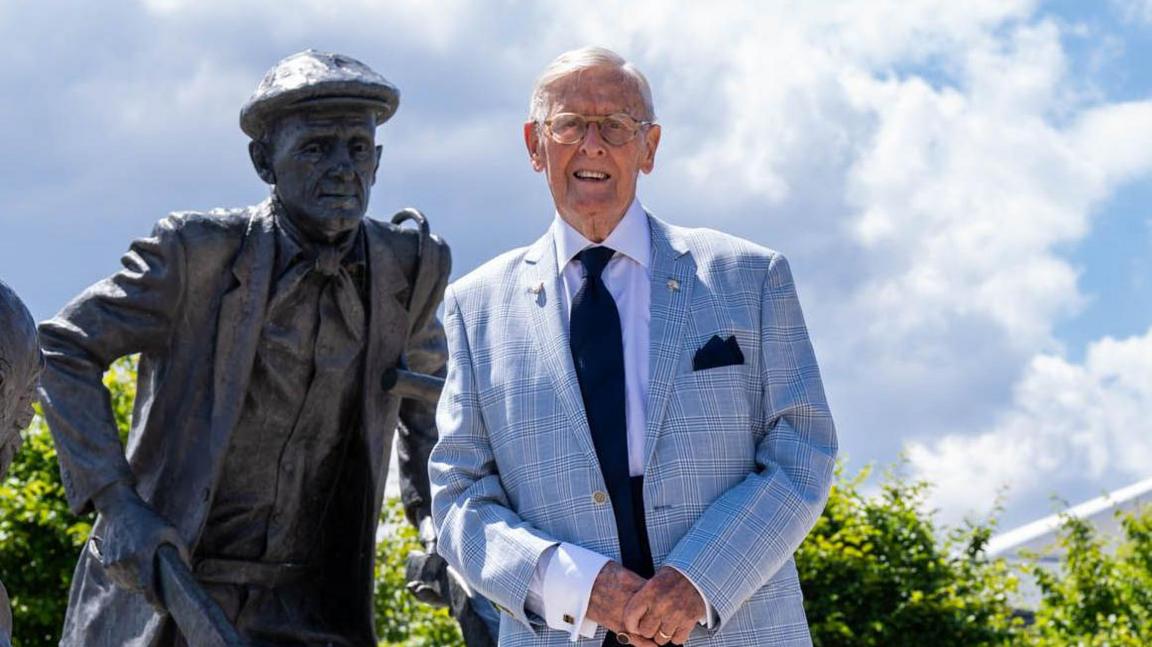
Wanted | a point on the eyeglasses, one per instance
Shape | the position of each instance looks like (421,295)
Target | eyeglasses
(570,127)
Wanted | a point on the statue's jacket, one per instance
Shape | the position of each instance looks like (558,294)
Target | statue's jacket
(191,301)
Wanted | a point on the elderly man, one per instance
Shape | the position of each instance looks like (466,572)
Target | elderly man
(20,366)
(634,435)
(261,434)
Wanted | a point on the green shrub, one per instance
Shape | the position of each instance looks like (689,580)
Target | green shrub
(400,618)
(1098,597)
(40,540)
(875,573)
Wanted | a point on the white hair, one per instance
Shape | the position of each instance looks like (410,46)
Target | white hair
(578,60)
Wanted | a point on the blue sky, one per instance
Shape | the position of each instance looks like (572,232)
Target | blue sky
(964,189)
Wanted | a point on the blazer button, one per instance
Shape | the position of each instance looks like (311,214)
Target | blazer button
(599,497)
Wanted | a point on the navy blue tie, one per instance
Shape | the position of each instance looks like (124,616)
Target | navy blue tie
(598,354)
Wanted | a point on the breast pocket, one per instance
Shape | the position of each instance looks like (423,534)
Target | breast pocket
(718,398)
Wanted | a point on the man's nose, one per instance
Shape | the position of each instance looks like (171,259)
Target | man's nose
(341,164)
(593,144)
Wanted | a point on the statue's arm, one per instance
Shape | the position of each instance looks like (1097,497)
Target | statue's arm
(129,312)
(427,352)
(5,618)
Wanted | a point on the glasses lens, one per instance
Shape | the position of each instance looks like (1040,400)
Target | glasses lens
(617,129)
(567,128)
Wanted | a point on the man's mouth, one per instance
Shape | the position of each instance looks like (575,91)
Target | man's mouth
(591,176)
(338,196)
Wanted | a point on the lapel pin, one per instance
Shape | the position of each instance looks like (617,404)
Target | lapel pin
(536,288)
(673,285)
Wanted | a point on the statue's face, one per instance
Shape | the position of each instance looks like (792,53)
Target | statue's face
(323,164)
(17,393)
(20,366)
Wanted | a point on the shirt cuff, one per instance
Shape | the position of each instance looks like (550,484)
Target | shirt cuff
(709,620)
(561,587)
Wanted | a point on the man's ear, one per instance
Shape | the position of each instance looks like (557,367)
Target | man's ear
(532,141)
(262,161)
(376,166)
(652,141)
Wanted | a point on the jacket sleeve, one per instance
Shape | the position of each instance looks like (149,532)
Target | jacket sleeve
(427,353)
(129,312)
(478,533)
(750,531)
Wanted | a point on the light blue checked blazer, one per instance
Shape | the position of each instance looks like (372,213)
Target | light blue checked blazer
(739,458)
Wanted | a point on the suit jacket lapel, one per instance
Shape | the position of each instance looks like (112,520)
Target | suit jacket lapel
(673,277)
(549,330)
(387,334)
(239,324)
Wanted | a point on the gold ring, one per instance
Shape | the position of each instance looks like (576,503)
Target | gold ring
(663,636)
(623,638)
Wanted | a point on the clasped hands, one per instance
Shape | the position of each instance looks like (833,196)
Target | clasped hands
(658,611)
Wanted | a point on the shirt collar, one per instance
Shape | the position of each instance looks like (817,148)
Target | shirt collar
(631,237)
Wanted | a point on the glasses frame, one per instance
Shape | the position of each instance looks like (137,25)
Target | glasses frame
(546,125)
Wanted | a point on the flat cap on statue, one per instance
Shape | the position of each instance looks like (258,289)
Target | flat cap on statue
(311,77)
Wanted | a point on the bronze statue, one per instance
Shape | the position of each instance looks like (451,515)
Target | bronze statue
(20,366)
(257,458)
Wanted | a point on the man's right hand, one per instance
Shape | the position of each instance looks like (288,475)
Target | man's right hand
(132,533)
(614,587)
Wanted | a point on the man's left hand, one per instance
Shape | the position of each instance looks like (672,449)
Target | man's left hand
(666,609)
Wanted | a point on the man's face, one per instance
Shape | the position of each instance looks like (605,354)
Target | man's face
(17,394)
(593,182)
(323,164)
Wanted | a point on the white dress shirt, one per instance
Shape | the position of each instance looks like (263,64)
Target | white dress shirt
(564,577)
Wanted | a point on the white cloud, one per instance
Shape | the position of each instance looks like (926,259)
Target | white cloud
(166,102)
(1135,10)
(1069,422)
(436,25)
(926,164)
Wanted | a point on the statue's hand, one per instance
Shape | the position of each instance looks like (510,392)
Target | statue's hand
(427,576)
(426,571)
(132,533)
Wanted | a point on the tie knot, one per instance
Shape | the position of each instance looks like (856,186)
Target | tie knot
(594,259)
(328,260)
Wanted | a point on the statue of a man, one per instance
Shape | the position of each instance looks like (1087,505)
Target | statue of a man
(20,366)
(261,432)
